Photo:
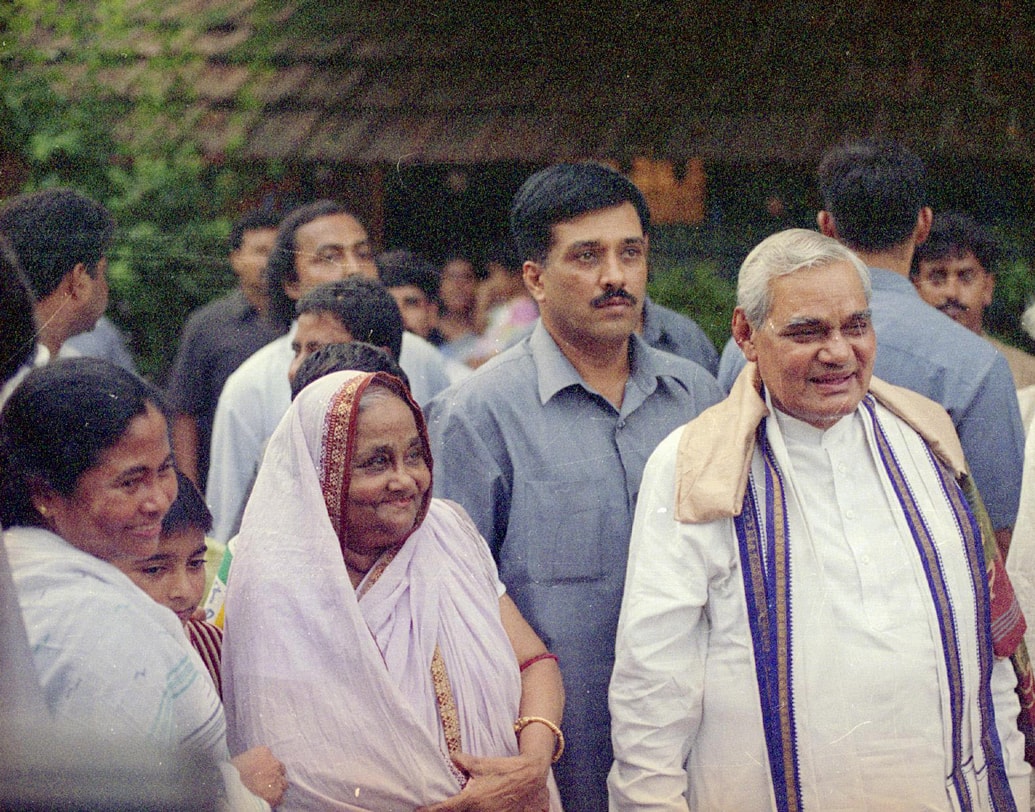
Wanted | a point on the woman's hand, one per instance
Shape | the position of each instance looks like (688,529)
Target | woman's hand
(508,784)
(262,773)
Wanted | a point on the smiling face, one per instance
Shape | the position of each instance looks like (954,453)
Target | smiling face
(958,286)
(389,476)
(590,288)
(175,575)
(117,507)
(816,347)
(328,249)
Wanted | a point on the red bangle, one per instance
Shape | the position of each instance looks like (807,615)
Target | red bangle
(546,655)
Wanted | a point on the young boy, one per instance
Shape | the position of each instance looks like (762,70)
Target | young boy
(175,578)
(175,575)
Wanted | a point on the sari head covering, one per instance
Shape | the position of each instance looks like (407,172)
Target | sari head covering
(337,680)
(339,444)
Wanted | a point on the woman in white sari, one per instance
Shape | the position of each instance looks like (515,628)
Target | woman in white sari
(369,640)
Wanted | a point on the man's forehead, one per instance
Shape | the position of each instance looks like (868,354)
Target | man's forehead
(814,291)
(599,225)
(960,258)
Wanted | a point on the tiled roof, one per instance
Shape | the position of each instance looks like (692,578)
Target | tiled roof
(541,80)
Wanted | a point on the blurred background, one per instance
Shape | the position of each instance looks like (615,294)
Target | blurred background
(426,117)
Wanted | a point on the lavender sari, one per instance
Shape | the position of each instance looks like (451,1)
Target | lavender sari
(337,680)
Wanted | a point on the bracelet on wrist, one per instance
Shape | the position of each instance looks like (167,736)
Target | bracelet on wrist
(525,721)
(546,655)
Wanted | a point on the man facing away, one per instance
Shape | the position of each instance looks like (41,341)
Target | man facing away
(316,243)
(954,271)
(874,203)
(545,443)
(218,338)
(806,621)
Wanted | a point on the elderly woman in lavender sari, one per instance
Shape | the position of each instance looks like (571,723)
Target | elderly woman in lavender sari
(369,640)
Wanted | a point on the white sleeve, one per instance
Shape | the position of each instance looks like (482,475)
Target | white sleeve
(1007,707)
(236,450)
(658,680)
(425,366)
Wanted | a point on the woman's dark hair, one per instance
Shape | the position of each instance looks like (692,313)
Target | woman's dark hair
(56,425)
(188,510)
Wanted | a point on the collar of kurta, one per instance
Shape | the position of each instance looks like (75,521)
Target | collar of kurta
(715,449)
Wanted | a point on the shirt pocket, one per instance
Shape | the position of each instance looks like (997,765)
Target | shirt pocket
(559,526)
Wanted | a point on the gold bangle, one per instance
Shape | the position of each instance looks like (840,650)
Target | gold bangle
(525,721)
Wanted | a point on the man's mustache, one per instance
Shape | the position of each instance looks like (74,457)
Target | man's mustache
(953,303)
(616,293)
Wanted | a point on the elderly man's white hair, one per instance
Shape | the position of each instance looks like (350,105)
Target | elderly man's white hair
(784,253)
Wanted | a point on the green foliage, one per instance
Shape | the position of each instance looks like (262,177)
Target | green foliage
(105,131)
(1014,288)
(691,273)
(698,291)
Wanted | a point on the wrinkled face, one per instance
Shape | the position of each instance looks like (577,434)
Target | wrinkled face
(249,261)
(958,286)
(328,249)
(389,476)
(175,575)
(458,287)
(315,330)
(418,312)
(815,349)
(117,507)
(591,287)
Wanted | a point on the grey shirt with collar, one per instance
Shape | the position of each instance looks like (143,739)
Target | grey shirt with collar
(549,471)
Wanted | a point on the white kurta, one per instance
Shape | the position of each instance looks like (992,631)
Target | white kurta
(114,665)
(868,674)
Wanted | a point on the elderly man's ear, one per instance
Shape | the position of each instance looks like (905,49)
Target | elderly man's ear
(742,334)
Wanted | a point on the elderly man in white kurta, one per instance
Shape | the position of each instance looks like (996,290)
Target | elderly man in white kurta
(806,621)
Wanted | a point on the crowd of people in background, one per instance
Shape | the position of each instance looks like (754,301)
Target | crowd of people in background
(503,533)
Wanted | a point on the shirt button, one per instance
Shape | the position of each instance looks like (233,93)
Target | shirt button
(865,559)
(849,514)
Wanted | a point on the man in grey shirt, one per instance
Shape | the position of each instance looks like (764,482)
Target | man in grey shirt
(545,444)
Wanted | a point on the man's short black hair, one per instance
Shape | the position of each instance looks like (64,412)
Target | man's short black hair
(254,220)
(563,192)
(363,306)
(874,189)
(404,267)
(953,234)
(280,266)
(52,231)
(357,355)
(17,316)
